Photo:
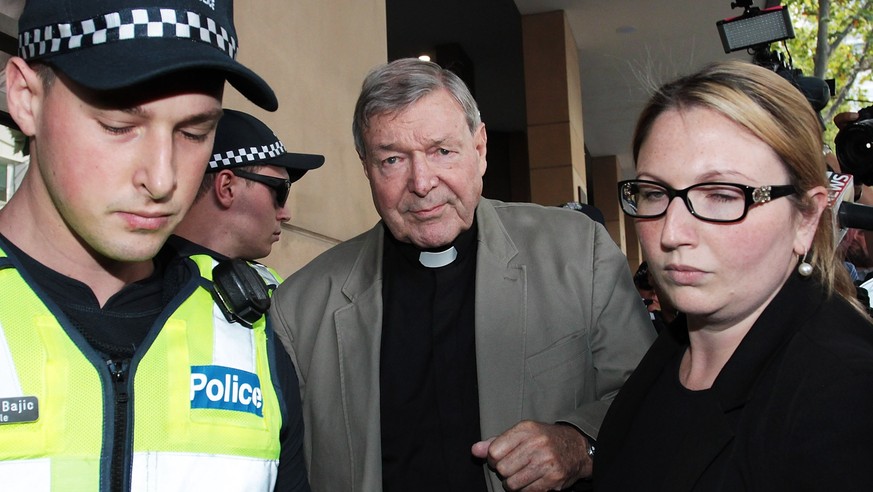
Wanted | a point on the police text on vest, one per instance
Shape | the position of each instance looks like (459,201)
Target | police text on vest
(226,388)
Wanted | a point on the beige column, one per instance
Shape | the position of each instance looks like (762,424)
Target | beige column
(315,55)
(554,109)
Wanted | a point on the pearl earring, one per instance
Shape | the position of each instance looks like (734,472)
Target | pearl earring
(804,268)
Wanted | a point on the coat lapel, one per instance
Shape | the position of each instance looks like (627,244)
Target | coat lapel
(736,382)
(617,423)
(500,325)
(735,385)
(359,337)
(707,436)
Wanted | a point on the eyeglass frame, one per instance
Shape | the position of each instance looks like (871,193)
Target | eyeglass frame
(754,196)
(280,186)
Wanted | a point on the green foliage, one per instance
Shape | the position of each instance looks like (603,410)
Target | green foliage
(20,142)
(842,53)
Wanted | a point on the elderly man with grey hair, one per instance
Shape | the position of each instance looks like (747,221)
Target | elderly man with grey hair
(460,344)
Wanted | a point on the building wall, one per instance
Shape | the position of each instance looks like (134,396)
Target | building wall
(315,55)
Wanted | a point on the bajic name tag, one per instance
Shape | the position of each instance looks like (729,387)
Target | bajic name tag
(19,409)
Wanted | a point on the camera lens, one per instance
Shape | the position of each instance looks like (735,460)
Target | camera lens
(855,149)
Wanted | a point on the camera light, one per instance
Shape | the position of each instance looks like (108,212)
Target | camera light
(755,28)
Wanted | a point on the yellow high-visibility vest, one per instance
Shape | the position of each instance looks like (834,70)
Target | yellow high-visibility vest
(205,412)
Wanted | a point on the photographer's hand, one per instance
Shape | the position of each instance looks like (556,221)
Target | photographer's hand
(843,120)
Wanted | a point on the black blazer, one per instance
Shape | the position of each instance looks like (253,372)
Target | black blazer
(796,402)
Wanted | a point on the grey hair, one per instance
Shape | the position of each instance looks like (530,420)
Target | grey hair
(392,87)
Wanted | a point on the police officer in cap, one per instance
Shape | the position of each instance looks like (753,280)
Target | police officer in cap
(119,374)
(243,199)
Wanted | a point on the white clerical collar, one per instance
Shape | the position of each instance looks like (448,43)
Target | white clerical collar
(436,260)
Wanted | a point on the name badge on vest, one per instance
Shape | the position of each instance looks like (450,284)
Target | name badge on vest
(19,409)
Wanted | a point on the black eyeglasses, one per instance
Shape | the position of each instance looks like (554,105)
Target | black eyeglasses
(279,185)
(712,202)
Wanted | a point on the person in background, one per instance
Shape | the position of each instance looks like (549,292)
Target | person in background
(763,382)
(119,375)
(591,211)
(238,213)
(242,202)
(460,344)
(854,244)
(853,249)
(660,313)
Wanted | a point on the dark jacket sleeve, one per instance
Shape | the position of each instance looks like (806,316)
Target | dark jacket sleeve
(292,468)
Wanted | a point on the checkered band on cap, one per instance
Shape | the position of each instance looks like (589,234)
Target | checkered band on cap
(141,23)
(246,155)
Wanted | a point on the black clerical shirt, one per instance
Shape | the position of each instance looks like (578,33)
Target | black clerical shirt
(428,384)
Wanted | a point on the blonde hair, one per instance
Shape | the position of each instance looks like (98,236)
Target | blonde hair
(778,114)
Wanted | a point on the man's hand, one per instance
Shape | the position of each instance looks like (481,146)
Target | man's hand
(537,457)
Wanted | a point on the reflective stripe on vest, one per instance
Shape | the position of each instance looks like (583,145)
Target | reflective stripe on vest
(205,412)
(270,276)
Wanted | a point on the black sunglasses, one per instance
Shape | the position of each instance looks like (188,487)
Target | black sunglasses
(279,185)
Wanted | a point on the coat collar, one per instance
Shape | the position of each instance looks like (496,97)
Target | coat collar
(494,241)
(494,244)
(500,333)
(367,269)
(778,323)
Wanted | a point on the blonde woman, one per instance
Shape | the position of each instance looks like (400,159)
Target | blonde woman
(766,381)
